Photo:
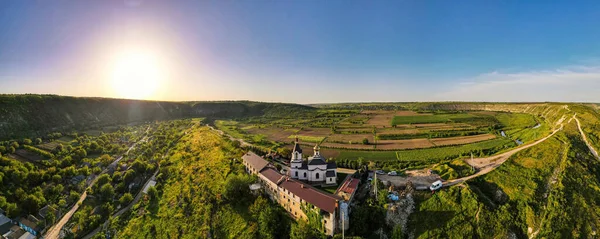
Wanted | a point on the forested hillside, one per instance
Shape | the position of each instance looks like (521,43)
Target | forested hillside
(202,192)
(37,115)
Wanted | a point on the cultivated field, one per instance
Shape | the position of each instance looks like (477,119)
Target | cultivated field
(391,136)
(462,140)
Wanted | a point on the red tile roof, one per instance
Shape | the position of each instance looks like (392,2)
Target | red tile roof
(325,201)
(256,161)
(322,200)
(271,174)
(350,185)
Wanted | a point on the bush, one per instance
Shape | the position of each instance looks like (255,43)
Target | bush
(125,199)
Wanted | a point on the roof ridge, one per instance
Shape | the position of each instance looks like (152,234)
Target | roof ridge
(315,189)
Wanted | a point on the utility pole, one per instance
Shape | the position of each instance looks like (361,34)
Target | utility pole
(343,225)
(472,167)
(375,186)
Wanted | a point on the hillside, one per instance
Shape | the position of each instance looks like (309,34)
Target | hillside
(37,115)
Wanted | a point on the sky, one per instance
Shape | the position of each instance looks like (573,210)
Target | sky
(304,51)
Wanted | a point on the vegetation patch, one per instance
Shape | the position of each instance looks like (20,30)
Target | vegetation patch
(427,119)
(305,138)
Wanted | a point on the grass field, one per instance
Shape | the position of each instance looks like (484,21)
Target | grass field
(230,127)
(516,120)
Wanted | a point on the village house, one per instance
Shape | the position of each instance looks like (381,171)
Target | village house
(30,224)
(295,196)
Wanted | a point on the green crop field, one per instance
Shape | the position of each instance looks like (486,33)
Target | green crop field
(304,138)
(516,120)
(429,119)
(454,151)
(431,155)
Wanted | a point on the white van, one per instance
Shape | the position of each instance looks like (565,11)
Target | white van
(436,185)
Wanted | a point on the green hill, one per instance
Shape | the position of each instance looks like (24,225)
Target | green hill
(37,115)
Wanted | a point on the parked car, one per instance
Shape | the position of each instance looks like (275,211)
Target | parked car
(380,172)
(393,173)
(436,185)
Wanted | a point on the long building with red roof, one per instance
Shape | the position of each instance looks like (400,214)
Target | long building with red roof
(295,196)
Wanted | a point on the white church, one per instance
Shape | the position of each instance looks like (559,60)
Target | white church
(315,169)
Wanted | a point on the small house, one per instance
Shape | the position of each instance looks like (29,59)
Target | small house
(30,224)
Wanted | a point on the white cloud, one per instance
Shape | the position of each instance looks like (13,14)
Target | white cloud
(570,83)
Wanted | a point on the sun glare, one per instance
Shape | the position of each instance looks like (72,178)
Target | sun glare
(136,75)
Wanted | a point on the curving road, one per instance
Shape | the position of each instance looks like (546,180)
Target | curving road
(488,164)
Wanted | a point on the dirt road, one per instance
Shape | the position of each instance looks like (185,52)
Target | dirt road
(488,164)
(242,142)
(586,140)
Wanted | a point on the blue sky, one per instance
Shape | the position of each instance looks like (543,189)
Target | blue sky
(310,51)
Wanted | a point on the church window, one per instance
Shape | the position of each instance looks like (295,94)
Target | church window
(296,173)
(317,175)
(305,174)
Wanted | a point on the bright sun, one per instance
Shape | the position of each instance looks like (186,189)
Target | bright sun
(136,75)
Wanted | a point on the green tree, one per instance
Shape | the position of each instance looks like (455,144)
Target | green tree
(105,159)
(106,209)
(74,196)
(2,201)
(27,142)
(302,230)
(32,203)
(58,149)
(285,152)
(11,150)
(153,193)
(80,153)
(50,217)
(38,141)
(365,141)
(129,176)
(103,179)
(62,203)
(125,199)
(107,192)
(56,178)
(139,167)
(237,188)
(12,210)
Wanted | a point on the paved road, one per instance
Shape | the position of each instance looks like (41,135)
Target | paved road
(54,231)
(586,140)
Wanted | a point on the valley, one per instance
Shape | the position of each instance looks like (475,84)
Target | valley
(509,170)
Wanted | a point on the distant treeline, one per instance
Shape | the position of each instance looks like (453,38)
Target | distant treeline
(36,115)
